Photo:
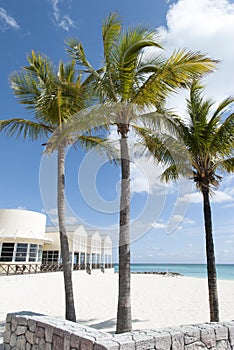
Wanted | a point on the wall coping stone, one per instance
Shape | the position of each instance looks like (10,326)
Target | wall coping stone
(28,330)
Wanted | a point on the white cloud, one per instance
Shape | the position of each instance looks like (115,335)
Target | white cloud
(206,26)
(158,225)
(180,218)
(221,197)
(217,197)
(63,21)
(145,173)
(6,21)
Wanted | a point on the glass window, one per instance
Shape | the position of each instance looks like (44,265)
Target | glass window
(76,258)
(44,257)
(55,256)
(33,252)
(50,256)
(7,251)
(82,258)
(21,252)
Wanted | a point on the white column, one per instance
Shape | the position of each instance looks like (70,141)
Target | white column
(14,253)
(27,254)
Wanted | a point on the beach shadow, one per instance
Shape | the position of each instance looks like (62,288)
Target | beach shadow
(104,324)
(107,324)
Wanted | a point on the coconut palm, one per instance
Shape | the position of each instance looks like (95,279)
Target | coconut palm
(130,76)
(53,95)
(207,136)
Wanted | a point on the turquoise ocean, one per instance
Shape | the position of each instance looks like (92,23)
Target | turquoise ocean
(224,271)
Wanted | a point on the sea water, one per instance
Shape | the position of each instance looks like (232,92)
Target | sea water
(224,271)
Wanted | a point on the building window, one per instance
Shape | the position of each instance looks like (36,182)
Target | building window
(21,252)
(7,252)
(33,252)
(76,258)
(50,256)
(82,258)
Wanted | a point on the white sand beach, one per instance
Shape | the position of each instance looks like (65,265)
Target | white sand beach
(157,301)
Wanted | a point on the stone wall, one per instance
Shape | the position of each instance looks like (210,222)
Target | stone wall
(32,331)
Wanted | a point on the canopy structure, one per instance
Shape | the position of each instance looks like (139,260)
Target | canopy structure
(22,225)
(106,250)
(77,240)
(94,248)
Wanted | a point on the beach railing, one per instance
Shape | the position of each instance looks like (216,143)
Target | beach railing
(15,269)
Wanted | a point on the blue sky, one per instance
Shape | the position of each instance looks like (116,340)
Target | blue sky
(28,179)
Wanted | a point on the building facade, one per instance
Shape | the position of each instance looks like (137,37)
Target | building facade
(27,245)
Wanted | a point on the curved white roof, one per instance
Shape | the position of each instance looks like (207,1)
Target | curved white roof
(22,224)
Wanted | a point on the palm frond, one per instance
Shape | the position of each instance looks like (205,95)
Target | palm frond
(102,147)
(76,52)
(25,128)
(111,29)
(226,165)
(223,138)
(223,106)
(170,174)
(179,70)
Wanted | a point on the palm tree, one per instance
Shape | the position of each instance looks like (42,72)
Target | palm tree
(130,76)
(54,95)
(207,136)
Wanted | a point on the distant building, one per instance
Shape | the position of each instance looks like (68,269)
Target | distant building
(27,245)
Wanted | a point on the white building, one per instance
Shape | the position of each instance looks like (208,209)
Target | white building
(27,245)
(77,240)
(22,235)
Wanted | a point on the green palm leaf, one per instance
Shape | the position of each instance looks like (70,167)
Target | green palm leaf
(25,128)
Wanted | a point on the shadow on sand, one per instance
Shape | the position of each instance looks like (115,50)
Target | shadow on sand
(107,325)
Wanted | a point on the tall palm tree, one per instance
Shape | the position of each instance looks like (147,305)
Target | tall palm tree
(54,95)
(132,76)
(207,137)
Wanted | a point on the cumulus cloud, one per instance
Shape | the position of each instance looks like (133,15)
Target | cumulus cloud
(6,21)
(158,225)
(180,218)
(196,197)
(206,26)
(63,21)
(145,177)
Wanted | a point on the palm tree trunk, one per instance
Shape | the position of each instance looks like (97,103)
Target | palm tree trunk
(210,256)
(67,267)
(124,318)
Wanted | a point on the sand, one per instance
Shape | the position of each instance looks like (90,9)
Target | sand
(157,301)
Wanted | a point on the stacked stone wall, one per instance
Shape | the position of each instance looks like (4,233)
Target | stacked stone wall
(32,331)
